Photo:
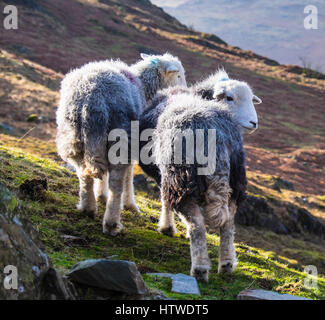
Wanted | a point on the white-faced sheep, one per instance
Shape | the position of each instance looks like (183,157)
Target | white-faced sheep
(96,99)
(184,190)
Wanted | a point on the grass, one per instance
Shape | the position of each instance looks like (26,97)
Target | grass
(55,216)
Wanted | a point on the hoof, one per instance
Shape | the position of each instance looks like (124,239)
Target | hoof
(132,207)
(168,231)
(201,273)
(102,199)
(227,267)
(89,212)
(112,229)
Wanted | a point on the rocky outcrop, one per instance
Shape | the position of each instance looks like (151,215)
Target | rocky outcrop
(257,212)
(28,273)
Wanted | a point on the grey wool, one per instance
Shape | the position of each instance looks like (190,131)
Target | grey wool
(94,100)
(204,107)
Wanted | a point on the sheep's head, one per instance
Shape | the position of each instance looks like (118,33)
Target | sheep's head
(171,69)
(237,98)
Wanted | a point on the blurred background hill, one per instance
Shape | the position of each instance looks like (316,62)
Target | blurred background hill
(271,28)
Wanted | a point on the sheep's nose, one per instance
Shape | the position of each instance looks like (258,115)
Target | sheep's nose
(253,123)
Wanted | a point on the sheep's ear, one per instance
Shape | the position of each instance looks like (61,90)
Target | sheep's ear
(256,100)
(171,69)
(206,94)
(144,56)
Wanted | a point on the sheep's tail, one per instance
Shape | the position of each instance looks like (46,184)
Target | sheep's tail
(94,135)
(180,184)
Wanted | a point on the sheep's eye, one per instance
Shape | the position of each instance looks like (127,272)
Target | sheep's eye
(229,98)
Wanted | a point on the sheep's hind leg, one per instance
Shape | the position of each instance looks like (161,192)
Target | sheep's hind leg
(199,252)
(227,252)
(101,188)
(128,201)
(87,202)
(112,219)
(166,222)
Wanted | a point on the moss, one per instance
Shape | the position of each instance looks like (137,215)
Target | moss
(56,216)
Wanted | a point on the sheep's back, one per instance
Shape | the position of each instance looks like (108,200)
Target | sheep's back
(95,99)
(182,181)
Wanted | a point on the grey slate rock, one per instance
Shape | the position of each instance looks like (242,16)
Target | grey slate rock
(182,283)
(266,295)
(112,275)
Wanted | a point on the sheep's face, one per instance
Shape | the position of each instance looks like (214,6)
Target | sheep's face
(238,99)
(171,69)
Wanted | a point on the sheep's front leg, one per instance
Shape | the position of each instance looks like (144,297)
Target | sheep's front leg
(166,222)
(227,252)
(128,191)
(87,202)
(199,252)
(101,188)
(112,217)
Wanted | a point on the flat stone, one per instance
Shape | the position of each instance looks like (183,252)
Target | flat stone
(185,284)
(160,274)
(113,275)
(266,295)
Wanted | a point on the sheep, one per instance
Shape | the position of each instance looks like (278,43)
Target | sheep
(225,106)
(95,100)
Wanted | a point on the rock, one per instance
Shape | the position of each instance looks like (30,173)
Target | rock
(256,212)
(113,275)
(299,220)
(21,249)
(6,128)
(182,283)
(55,287)
(73,239)
(266,295)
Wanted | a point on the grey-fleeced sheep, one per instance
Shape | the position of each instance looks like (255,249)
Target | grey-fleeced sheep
(177,110)
(96,99)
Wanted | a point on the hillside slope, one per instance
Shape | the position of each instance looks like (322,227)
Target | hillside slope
(290,143)
(273,28)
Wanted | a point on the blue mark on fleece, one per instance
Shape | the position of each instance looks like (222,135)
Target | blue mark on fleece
(224,79)
(154,61)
